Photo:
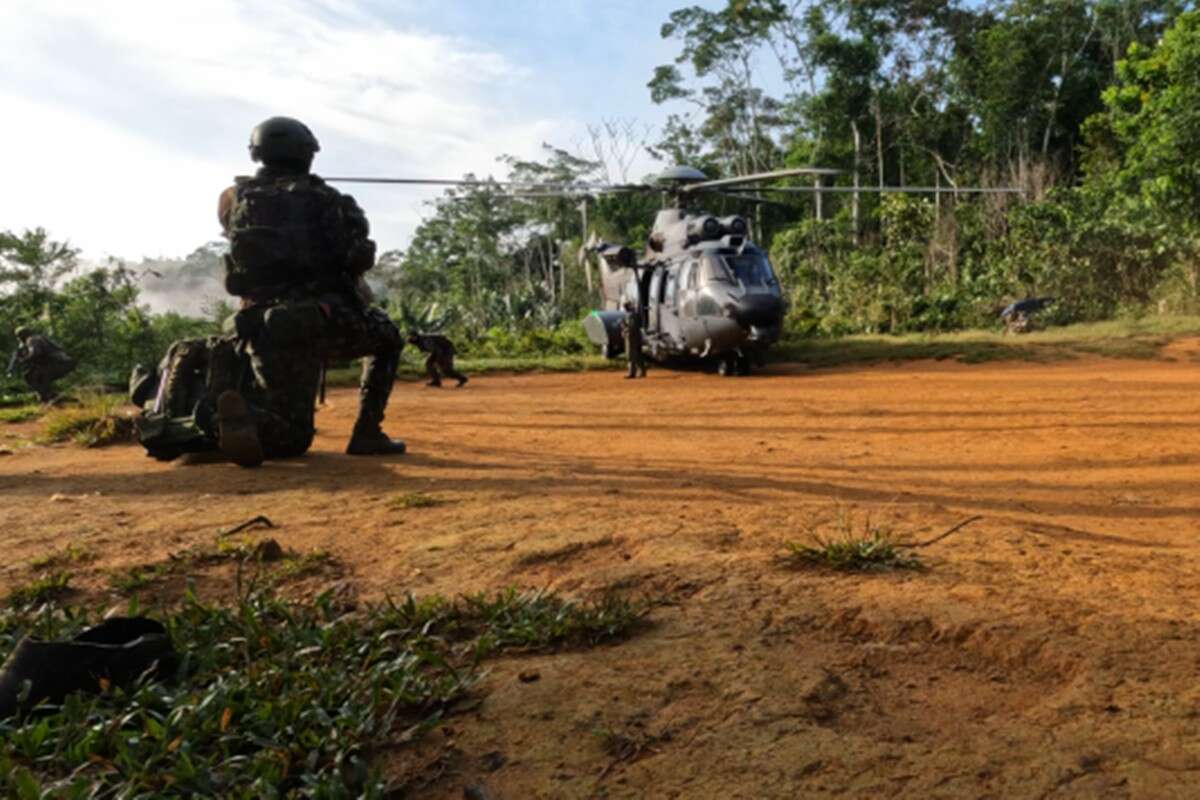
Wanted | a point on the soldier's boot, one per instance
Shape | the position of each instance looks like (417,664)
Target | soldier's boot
(225,366)
(450,372)
(462,381)
(119,650)
(237,435)
(368,438)
(365,442)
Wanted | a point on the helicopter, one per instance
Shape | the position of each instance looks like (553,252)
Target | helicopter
(703,291)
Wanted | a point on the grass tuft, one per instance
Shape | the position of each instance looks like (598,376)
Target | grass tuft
(284,566)
(22,413)
(40,590)
(71,554)
(530,620)
(300,565)
(416,500)
(94,422)
(868,547)
(135,579)
(873,552)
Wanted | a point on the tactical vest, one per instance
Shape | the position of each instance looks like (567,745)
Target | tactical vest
(291,231)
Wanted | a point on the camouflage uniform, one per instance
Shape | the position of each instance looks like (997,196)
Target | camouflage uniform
(1018,322)
(441,357)
(42,362)
(179,401)
(631,330)
(315,313)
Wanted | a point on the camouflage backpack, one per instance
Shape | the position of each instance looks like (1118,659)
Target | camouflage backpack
(178,399)
(291,231)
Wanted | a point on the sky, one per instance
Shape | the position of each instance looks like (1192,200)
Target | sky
(124,119)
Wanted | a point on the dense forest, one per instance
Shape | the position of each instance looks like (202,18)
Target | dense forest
(1090,107)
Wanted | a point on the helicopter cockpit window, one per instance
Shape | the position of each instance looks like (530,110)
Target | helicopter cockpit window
(672,284)
(713,271)
(751,269)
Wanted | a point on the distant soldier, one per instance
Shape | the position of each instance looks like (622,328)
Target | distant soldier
(441,356)
(1018,316)
(40,361)
(631,330)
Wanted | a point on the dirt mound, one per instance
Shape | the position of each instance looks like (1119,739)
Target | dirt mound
(1047,650)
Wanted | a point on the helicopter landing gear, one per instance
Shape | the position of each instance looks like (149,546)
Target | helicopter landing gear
(733,365)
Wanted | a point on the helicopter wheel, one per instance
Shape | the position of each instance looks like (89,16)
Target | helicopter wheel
(727,367)
(743,365)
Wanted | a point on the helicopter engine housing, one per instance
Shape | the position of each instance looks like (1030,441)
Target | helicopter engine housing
(701,229)
(604,328)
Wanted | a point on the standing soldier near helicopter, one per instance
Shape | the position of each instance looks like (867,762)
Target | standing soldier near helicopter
(631,330)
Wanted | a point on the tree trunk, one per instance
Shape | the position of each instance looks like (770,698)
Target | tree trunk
(856,203)
(587,259)
(879,136)
(553,249)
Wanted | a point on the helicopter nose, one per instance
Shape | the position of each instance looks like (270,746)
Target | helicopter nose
(758,310)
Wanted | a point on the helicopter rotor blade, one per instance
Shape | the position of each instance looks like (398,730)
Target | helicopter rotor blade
(425,181)
(491,184)
(529,189)
(749,198)
(758,177)
(893,189)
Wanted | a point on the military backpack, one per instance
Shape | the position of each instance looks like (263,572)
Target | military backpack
(292,231)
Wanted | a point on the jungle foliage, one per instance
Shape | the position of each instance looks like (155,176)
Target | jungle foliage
(93,312)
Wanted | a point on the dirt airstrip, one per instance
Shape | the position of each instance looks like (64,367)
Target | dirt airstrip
(1051,648)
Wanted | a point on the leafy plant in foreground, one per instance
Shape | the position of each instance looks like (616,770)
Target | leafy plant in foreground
(276,699)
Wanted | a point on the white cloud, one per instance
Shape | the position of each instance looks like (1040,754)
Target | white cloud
(128,117)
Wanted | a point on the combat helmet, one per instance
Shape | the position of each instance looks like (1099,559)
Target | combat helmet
(23,331)
(283,141)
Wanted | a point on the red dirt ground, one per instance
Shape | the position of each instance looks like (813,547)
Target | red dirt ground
(1049,650)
